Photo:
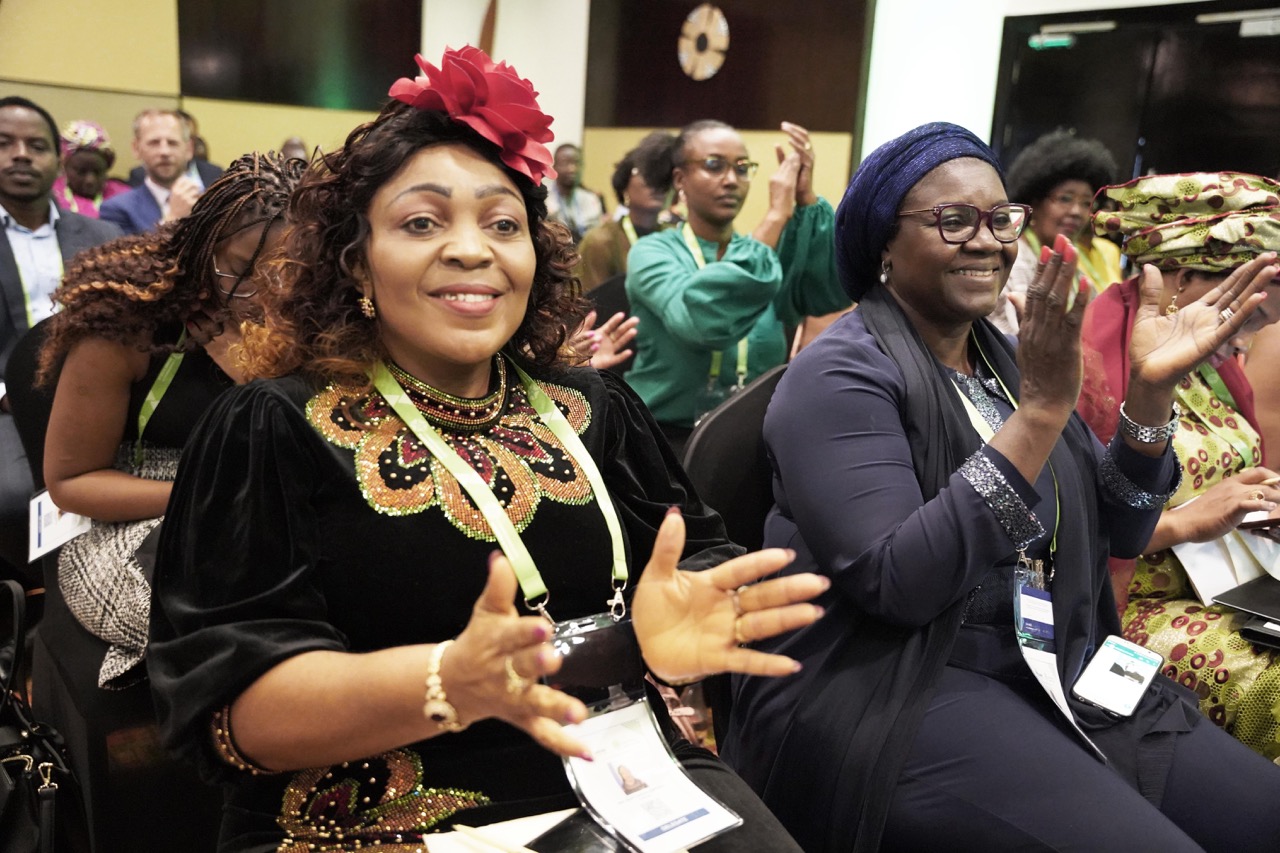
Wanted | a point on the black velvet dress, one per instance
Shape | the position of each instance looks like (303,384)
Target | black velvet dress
(305,520)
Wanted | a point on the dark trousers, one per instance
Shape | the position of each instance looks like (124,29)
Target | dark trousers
(991,770)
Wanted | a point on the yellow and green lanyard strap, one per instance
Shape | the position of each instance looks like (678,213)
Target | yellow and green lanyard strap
(531,583)
(158,388)
(1082,261)
(985,431)
(629,228)
(1213,379)
(717,357)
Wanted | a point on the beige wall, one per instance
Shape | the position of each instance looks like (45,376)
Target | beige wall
(605,146)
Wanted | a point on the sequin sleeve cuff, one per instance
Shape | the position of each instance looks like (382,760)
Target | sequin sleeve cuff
(1118,487)
(225,745)
(1019,522)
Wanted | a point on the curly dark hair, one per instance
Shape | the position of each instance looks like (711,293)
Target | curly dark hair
(1056,157)
(313,320)
(659,154)
(656,144)
(128,289)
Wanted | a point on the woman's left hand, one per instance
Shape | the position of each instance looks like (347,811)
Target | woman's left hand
(799,138)
(693,624)
(1165,347)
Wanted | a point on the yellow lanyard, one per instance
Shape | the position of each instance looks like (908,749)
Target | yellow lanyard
(629,228)
(531,583)
(156,393)
(717,357)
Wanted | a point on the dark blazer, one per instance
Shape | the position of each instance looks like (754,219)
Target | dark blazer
(75,232)
(133,212)
(208,173)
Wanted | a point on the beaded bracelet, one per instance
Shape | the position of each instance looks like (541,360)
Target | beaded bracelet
(226,746)
(1149,434)
(438,709)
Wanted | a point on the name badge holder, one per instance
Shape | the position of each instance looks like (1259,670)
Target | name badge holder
(635,789)
(1032,600)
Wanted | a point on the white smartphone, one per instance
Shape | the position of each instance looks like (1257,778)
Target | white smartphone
(1117,676)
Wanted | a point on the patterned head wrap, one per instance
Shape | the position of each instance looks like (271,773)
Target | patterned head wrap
(84,135)
(1212,221)
(867,217)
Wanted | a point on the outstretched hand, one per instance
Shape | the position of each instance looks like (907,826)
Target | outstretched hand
(1049,335)
(493,668)
(693,624)
(1165,347)
(608,345)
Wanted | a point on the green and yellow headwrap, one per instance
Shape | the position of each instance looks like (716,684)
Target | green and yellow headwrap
(1203,220)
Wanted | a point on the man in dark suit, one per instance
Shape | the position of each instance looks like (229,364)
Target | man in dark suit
(162,142)
(38,240)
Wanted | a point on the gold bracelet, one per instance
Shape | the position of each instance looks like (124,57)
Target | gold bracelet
(438,709)
(226,746)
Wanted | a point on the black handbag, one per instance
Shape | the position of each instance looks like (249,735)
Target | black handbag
(41,810)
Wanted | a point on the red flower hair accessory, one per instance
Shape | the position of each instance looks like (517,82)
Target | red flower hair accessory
(491,99)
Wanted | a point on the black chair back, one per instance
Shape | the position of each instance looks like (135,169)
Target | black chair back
(31,405)
(726,459)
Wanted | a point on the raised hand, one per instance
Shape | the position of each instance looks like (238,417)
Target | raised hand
(800,142)
(493,668)
(607,345)
(1165,347)
(693,624)
(1049,335)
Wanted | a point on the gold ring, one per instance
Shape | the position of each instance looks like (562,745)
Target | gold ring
(740,638)
(1225,315)
(808,146)
(516,683)
(1257,495)
(735,597)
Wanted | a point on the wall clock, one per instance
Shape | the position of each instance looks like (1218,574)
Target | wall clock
(703,42)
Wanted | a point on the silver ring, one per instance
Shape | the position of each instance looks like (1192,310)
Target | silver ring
(1225,315)
(516,683)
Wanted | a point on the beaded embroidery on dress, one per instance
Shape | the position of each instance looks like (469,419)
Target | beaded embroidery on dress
(499,435)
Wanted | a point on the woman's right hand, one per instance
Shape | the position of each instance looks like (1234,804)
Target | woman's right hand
(782,186)
(1222,507)
(474,671)
(1049,336)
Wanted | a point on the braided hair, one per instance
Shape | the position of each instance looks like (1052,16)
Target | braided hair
(141,289)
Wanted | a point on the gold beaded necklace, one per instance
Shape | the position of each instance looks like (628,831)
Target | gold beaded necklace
(445,411)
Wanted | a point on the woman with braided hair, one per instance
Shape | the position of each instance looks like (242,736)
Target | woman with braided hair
(141,347)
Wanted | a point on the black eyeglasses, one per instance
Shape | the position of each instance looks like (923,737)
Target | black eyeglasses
(716,166)
(959,222)
(235,292)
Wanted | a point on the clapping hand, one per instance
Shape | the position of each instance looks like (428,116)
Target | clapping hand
(693,624)
(608,345)
(494,666)
(1164,347)
(803,147)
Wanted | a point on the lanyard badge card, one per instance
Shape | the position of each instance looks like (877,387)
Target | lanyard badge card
(636,789)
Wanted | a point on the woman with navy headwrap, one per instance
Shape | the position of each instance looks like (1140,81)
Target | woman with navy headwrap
(946,488)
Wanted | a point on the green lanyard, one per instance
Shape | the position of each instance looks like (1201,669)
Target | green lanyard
(1212,378)
(158,388)
(987,433)
(1082,261)
(717,357)
(629,228)
(531,583)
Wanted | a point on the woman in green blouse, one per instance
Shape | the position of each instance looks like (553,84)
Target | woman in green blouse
(713,304)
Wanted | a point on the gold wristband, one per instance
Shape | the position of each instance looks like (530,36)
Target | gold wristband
(438,709)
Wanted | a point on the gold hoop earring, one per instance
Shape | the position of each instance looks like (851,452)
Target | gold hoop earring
(367,308)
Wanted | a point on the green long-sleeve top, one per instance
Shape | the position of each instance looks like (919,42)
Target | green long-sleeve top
(687,313)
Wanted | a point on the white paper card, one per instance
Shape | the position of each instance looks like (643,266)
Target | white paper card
(635,786)
(50,527)
(1044,666)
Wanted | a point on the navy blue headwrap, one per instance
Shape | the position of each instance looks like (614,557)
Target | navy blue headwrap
(866,217)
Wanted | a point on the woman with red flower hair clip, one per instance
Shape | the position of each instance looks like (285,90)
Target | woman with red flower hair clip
(324,555)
